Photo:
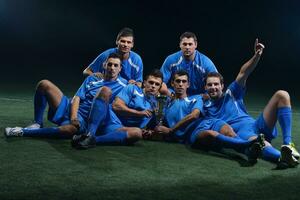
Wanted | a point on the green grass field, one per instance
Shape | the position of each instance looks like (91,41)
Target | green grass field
(50,169)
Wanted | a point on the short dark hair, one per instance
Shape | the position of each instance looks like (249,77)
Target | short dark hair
(180,73)
(215,74)
(156,73)
(188,35)
(114,55)
(125,32)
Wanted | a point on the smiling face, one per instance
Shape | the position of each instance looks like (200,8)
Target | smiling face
(113,68)
(152,85)
(188,47)
(214,87)
(125,44)
(180,84)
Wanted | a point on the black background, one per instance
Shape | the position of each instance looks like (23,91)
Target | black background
(57,39)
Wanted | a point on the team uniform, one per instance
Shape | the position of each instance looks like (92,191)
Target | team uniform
(231,109)
(134,98)
(177,109)
(61,116)
(197,70)
(132,68)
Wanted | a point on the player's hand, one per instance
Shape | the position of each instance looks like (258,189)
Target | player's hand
(147,133)
(146,113)
(258,47)
(205,96)
(76,123)
(131,81)
(163,129)
(98,75)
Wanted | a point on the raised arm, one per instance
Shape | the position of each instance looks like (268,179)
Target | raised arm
(250,65)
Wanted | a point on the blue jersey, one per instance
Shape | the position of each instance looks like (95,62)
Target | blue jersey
(134,98)
(177,109)
(230,107)
(89,89)
(197,70)
(132,68)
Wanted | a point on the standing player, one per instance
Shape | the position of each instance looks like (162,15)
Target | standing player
(132,65)
(184,125)
(71,116)
(191,60)
(229,106)
(134,105)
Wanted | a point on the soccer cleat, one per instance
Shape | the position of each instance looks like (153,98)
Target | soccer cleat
(76,139)
(253,152)
(261,140)
(33,126)
(287,159)
(295,153)
(13,132)
(88,142)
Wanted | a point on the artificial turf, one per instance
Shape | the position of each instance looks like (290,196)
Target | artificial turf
(32,168)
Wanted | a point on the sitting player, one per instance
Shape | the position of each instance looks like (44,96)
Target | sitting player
(229,106)
(184,125)
(72,116)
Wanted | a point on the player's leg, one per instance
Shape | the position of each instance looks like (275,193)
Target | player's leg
(46,92)
(99,110)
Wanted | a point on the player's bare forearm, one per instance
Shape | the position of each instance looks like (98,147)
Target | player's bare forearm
(187,120)
(250,65)
(74,107)
(122,109)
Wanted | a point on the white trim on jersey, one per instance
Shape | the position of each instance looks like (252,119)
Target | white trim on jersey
(133,65)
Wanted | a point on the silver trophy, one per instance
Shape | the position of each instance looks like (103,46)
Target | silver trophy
(159,111)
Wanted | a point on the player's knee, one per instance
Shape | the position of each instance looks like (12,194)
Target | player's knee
(104,93)
(68,129)
(43,85)
(134,134)
(283,95)
(228,131)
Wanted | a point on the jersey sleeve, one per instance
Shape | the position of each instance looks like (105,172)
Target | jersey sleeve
(237,90)
(83,88)
(166,70)
(139,74)
(209,65)
(98,64)
(198,104)
(126,94)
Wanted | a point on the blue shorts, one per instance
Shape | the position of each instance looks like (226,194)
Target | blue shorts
(61,116)
(111,124)
(248,129)
(204,125)
(261,127)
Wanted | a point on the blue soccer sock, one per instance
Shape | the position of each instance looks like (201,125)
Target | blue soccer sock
(235,143)
(97,115)
(40,103)
(44,132)
(115,137)
(284,115)
(269,153)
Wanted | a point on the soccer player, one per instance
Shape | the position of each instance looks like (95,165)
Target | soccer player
(72,116)
(134,105)
(184,125)
(191,60)
(229,106)
(132,65)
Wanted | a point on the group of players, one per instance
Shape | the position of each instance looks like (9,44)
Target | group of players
(115,105)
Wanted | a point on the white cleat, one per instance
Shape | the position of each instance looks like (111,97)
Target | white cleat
(33,126)
(287,159)
(13,132)
(294,150)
